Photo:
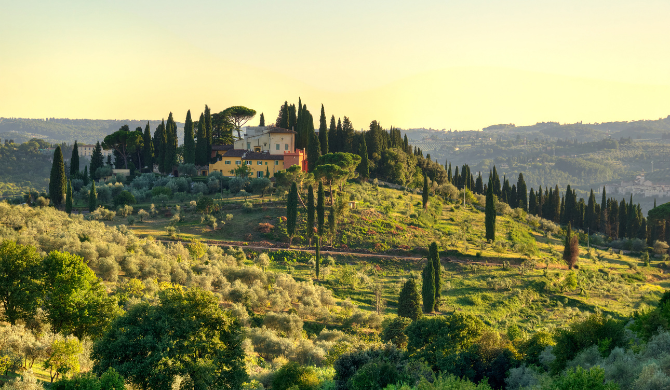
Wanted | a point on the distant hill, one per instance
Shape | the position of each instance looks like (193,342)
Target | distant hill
(56,130)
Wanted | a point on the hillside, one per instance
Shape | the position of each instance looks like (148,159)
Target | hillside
(57,130)
(518,286)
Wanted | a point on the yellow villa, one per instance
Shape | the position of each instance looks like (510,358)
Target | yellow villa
(265,150)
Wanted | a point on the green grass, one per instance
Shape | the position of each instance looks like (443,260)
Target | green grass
(532,296)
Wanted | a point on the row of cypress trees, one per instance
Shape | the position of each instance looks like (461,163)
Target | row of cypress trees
(411,303)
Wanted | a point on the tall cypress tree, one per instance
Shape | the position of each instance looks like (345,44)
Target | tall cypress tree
(571,249)
(97,160)
(209,133)
(310,213)
(428,287)
(160,142)
(320,210)
(490,213)
(291,212)
(68,198)
(284,119)
(590,215)
(313,151)
(424,197)
(409,304)
(201,143)
(532,202)
(171,144)
(57,182)
(189,141)
(74,161)
(364,166)
(332,136)
(323,132)
(92,198)
(85,176)
(148,148)
(434,256)
(522,193)
(317,266)
(262,122)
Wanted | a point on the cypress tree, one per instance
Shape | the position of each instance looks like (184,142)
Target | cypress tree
(532,202)
(68,198)
(364,167)
(405,144)
(590,215)
(522,193)
(332,224)
(310,213)
(74,161)
(340,136)
(201,143)
(92,198)
(318,256)
(490,213)
(284,122)
(267,172)
(189,141)
(262,122)
(571,250)
(160,141)
(425,190)
(323,132)
(320,210)
(434,256)
(291,212)
(171,144)
(57,182)
(97,160)
(313,151)
(208,132)
(332,136)
(428,287)
(409,304)
(85,175)
(148,149)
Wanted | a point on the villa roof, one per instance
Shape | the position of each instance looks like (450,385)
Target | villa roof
(249,155)
(222,147)
(279,130)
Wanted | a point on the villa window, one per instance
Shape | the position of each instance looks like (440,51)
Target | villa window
(277,146)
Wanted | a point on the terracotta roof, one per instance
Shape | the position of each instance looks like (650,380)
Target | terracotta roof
(261,156)
(280,130)
(235,153)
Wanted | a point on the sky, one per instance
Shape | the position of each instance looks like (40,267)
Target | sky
(436,64)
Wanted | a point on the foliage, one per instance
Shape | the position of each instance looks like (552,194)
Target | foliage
(124,198)
(186,329)
(294,376)
(606,333)
(75,302)
(409,301)
(110,380)
(20,284)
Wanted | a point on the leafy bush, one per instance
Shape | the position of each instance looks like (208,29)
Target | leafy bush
(124,198)
(294,376)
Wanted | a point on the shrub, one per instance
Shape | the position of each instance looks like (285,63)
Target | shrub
(394,331)
(289,324)
(161,190)
(187,170)
(124,198)
(294,376)
(236,184)
(606,333)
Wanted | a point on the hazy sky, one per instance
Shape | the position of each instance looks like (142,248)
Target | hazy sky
(441,64)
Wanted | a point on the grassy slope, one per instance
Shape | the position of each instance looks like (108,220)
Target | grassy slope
(530,295)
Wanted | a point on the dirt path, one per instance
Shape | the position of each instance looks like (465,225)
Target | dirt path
(444,259)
